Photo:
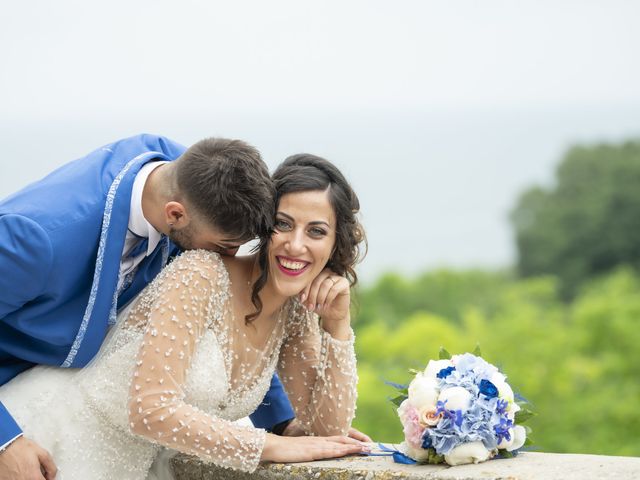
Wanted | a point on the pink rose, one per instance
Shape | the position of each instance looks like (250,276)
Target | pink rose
(428,417)
(412,429)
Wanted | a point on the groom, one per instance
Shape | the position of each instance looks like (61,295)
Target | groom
(82,242)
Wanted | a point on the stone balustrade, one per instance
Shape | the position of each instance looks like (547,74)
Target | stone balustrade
(526,466)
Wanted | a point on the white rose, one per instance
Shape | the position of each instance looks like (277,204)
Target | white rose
(472,452)
(418,454)
(402,409)
(504,443)
(457,398)
(423,392)
(504,390)
(513,409)
(434,366)
(519,436)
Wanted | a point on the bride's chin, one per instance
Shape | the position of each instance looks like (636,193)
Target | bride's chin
(287,289)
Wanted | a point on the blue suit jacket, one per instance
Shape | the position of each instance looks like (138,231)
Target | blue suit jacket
(61,239)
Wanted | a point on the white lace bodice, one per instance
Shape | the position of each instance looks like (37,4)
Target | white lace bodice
(179,369)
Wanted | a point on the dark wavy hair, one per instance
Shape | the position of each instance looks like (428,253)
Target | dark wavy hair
(303,173)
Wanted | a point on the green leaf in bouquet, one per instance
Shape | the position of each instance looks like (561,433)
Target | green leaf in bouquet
(398,400)
(443,354)
(476,351)
(403,389)
(527,429)
(413,371)
(523,415)
(505,454)
(434,458)
(527,442)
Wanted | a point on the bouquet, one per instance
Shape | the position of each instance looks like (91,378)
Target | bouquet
(459,410)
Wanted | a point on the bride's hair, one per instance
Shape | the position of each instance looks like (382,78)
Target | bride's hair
(303,173)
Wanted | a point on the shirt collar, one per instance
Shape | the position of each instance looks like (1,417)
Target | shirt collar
(139,225)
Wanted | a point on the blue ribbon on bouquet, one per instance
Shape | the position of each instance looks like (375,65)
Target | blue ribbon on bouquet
(397,455)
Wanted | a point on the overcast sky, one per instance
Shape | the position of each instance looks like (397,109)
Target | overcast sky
(335,78)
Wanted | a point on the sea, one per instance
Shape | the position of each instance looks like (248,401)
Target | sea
(436,186)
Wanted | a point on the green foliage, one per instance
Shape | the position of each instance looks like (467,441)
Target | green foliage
(443,354)
(444,292)
(576,363)
(588,223)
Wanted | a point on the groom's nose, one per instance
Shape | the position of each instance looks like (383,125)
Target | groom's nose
(231,252)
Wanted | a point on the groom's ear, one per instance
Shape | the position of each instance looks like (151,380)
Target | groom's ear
(176,215)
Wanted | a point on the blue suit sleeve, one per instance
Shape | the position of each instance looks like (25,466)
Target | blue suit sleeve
(25,260)
(274,409)
(165,145)
(9,429)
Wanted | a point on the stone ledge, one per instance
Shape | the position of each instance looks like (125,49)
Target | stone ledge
(526,466)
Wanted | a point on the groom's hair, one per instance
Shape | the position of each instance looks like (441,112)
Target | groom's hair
(228,185)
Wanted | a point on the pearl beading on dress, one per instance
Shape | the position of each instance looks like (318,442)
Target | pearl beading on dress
(177,372)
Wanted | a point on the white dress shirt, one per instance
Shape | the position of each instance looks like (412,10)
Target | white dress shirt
(138,227)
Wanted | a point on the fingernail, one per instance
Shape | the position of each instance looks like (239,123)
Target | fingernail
(310,307)
(303,297)
(318,307)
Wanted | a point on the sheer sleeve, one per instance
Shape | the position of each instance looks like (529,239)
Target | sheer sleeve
(319,374)
(188,294)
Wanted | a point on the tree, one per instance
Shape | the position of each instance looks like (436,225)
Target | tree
(588,223)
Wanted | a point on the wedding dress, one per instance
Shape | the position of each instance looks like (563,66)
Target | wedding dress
(176,372)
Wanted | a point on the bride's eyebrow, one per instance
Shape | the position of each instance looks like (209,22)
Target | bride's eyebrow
(315,222)
(320,222)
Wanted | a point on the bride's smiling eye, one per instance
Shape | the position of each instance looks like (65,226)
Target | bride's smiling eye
(282,225)
(317,232)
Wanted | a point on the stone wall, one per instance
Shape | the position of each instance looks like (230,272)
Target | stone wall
(526,466)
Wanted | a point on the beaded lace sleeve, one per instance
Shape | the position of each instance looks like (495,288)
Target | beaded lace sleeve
(183,300)
(319,374)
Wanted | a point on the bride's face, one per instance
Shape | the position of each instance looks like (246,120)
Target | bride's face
(303,240)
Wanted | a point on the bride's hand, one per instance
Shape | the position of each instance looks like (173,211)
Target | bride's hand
(307,449)
(329,295)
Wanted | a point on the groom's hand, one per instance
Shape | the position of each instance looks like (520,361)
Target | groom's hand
(26,460)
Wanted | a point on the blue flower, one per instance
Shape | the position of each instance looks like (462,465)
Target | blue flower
(488,389)
(501,406)
(458,418)
(426,440)
(502,429)
(445,372)
(440,407)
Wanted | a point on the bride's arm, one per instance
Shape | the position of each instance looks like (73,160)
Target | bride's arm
(317,363)
(189,293)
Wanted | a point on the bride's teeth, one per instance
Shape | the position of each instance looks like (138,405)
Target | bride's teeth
(291,265)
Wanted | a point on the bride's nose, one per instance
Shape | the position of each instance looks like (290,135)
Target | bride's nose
(295,242)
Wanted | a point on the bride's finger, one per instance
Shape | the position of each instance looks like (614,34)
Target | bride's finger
(358,435)
(311,302)
(335,449)
(336,290)
(304,294)
(324,291)
(345,440)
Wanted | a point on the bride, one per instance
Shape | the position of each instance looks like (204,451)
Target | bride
(197,349)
